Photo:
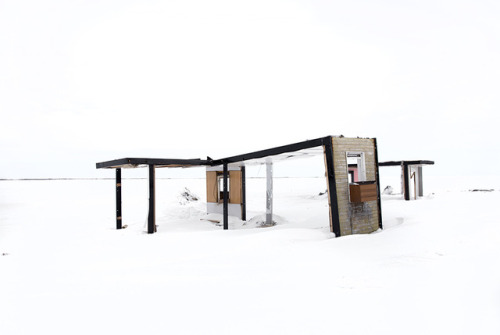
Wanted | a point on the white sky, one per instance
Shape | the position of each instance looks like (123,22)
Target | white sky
(89,81)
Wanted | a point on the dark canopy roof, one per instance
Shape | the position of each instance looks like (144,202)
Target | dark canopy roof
(295,150)
(159,162)
(398,163)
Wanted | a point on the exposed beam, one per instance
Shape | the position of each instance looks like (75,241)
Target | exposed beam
(166,162)
(273,151)
(398,163)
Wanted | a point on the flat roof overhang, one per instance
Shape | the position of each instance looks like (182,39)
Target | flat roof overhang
(302,149)
(158,162)
(399,163)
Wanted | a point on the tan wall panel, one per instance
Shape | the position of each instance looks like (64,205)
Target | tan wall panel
(235,187)
(212,187)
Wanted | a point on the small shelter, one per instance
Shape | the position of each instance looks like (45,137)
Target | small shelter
(354,204)
(410,171)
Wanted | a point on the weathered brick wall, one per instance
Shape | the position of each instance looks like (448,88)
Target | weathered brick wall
(355,218)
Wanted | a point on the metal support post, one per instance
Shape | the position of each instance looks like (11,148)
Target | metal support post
(377,174)
(226,197)
(420,182)
(406,181)
(118,198)
(152,211)
(269,193)
(243,194)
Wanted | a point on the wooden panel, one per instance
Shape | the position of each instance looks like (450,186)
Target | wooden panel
(235,182)
(363,192)
(212,186)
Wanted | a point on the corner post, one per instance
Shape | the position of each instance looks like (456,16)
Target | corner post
(118,198)
(379,202)
(152,209)
(226,197)
(332,186)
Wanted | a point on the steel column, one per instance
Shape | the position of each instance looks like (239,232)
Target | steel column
(269,193)
(152,210)
(377,175)
(118,198)
(420,182)
(243,194)
(226,197)
(406,181)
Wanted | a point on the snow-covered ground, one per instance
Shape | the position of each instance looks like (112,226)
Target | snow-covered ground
(64,269)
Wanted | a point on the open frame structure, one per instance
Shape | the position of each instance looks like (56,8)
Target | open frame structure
(354,204)
(410,170)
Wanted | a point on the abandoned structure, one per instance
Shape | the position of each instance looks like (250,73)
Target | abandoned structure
(351,169)
(410,171)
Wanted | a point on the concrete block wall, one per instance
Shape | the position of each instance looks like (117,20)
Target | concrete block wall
(355,218)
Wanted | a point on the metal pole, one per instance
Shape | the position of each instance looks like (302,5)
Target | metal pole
(406,179)
(226,197)
(118,198)
(152,212)
(243,194)
(377,174)
(269,193)
(420,182)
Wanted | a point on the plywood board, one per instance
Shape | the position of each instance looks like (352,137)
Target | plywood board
(362,193)
(212,187)
(235,190)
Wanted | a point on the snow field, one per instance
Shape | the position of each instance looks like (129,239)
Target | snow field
(432,270)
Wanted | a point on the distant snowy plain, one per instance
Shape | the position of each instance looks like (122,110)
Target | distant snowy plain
(64,269)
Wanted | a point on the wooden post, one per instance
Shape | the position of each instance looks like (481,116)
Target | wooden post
(269,193)
(226,197)
(152,210)
(118,198)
